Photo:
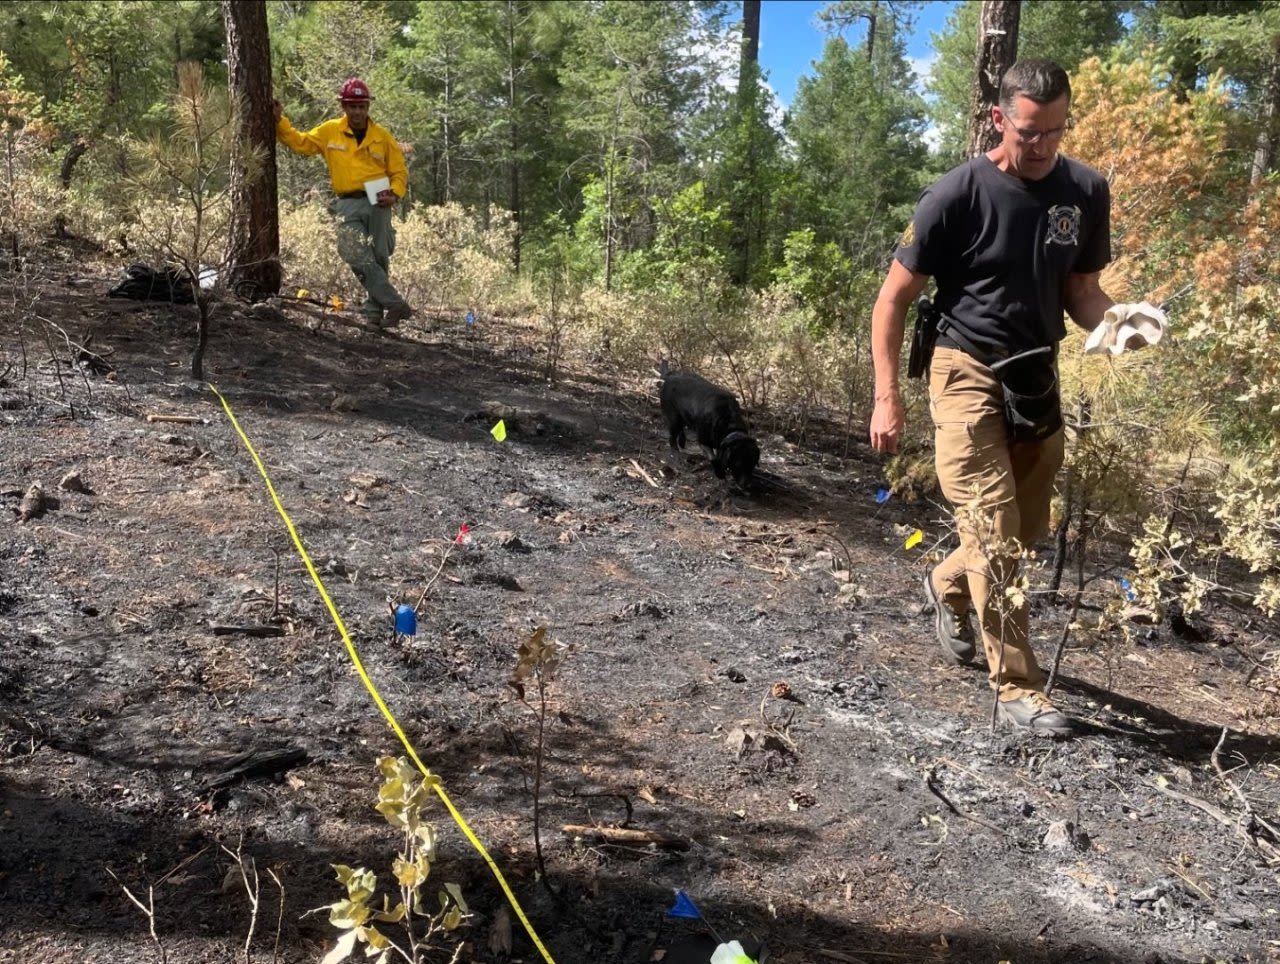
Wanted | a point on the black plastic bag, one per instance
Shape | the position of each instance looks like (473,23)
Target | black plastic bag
(144,283)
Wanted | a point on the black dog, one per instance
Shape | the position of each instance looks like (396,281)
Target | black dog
(717,423)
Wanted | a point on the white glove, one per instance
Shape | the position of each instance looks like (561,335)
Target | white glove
(1127,326)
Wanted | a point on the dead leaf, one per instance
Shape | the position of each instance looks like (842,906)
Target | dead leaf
(500,932)
(646,794)
(738,740)
(232,879)
(345,403)
(32,504)
(72,482)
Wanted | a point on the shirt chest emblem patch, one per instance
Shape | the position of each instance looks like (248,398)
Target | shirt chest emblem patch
(1064,225)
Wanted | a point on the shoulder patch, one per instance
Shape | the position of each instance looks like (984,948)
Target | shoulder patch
(908,236)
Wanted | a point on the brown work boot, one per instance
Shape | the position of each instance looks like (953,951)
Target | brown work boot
(955,633)
(396,314)
(1034,712)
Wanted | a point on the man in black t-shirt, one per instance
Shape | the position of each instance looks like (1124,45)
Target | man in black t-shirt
(1012,238)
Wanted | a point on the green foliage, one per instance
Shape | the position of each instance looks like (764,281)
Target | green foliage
(820,275)
(561,271)
(738,151)
(1068,33)
(629,85)
(402,799)
(24,134)
(1236,352)
(688,258)
(181,176)
(857,126)
(1249,511)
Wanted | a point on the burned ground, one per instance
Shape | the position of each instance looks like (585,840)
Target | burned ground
(865,811)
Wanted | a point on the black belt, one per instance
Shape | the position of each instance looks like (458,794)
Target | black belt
(350,195)
(950,337)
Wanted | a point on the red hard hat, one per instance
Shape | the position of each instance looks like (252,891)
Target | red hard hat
(354,89)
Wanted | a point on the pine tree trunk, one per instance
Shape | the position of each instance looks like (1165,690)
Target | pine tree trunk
(1264,154)
(748,71)
(750,41)
(254,255)
(997,50)
(515,201)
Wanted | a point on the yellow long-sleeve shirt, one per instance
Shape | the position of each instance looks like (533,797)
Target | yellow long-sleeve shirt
(350,164)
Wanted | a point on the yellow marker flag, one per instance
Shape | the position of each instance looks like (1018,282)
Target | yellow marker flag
(303,293)
(499,431)
(913,540)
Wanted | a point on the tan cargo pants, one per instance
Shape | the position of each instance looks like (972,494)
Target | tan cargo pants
(1000,492)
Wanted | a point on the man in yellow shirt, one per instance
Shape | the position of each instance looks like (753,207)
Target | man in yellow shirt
(358,152)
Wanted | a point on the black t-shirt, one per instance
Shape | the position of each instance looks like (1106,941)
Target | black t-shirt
(1001,248)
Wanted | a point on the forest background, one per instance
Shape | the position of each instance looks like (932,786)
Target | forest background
(619,174)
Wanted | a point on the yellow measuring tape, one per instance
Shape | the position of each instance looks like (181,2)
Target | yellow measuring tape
(373,690)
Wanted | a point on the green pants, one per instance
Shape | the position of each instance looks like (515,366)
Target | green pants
(1010,485)
(366,241)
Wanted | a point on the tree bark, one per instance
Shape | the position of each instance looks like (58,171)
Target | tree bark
(515,201)
(76,151)
(750,41)
(1264,154)
(748,84)
(997,50)
(254,255)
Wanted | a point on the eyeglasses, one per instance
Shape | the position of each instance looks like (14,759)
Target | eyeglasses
(1035,137)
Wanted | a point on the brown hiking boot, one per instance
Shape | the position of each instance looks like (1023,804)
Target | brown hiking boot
(1035,713)
(955,633)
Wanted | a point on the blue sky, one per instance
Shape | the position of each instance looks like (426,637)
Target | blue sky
(790,40)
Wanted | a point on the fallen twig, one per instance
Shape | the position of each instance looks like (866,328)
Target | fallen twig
(249,629)
(1224,818)
(180,419)
(1254,820)
(934,789)
(417,607)
(647,477)
(780,733)
(627,836)
(148,909)
(839,956)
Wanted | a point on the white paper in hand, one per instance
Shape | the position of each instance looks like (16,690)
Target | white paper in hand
(1127,326)
(371,188)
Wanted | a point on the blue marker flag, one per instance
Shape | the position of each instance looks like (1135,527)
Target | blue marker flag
(406,621)
(882,496)
(684,907)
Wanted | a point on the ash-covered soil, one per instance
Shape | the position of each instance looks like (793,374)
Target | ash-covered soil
(864,811)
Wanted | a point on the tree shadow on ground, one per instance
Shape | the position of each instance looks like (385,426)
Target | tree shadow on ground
(47,884)
(1164,733)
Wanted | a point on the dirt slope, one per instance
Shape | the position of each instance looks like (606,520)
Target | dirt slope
(872,817)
